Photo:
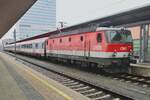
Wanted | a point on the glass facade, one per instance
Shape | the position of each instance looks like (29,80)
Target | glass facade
(39,19)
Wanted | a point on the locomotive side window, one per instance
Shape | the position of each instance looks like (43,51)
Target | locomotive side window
(60,40)
(81,38)
(99,37)
(69,39)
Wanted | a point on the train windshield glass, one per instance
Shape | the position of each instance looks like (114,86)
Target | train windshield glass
(123,36)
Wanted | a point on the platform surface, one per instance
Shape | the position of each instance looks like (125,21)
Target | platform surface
(143,65)
(19,82)
(141,69)
(13,86)
(121,87)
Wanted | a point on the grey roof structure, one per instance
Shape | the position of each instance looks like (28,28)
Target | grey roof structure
(132,17)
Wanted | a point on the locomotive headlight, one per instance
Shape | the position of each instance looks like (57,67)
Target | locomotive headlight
(114,54)
(131,50)
(130,54)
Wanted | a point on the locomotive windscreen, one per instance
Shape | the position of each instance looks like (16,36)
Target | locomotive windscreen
(119,36)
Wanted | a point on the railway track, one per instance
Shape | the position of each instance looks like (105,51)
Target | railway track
(134,79)
(83,87)
(124,77)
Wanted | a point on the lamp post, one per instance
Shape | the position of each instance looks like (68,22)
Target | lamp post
(62,24)
(3,45)
(15,40)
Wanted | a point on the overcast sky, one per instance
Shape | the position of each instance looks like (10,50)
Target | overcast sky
(78,11)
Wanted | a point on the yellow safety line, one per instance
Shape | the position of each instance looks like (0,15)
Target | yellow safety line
(48,85)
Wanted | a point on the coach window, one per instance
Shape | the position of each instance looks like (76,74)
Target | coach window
(81,38)
(36,45)
(99,37)
(69,39)
(42,45)
(30,45)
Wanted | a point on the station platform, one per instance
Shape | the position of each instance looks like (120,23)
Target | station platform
(19,82)
(141,69)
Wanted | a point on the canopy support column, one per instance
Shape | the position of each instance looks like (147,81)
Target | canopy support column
(144,30)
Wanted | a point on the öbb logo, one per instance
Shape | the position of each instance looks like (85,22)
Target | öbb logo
(123,48)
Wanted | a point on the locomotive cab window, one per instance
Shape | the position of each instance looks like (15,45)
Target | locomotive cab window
(99,37)
(123,36)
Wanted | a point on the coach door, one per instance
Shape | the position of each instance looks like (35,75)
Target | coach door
(44,47)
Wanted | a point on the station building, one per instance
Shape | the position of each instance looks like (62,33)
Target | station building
(40,18)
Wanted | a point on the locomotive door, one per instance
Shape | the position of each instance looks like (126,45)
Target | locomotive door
(50,48)
(87,48)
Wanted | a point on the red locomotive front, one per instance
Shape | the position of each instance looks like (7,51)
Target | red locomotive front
(118,46)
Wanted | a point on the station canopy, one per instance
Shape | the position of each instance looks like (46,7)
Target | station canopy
(11,11)
(132,17)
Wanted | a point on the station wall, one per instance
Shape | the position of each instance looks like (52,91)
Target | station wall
(136,37)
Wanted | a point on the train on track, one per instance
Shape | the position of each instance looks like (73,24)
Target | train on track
(106,48)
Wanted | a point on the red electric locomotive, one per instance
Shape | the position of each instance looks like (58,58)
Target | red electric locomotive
(104,47)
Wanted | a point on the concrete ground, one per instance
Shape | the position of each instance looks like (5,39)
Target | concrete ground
(121,87)
(19,82)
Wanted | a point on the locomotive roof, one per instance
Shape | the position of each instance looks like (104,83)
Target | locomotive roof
(110,28)
(84,31)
